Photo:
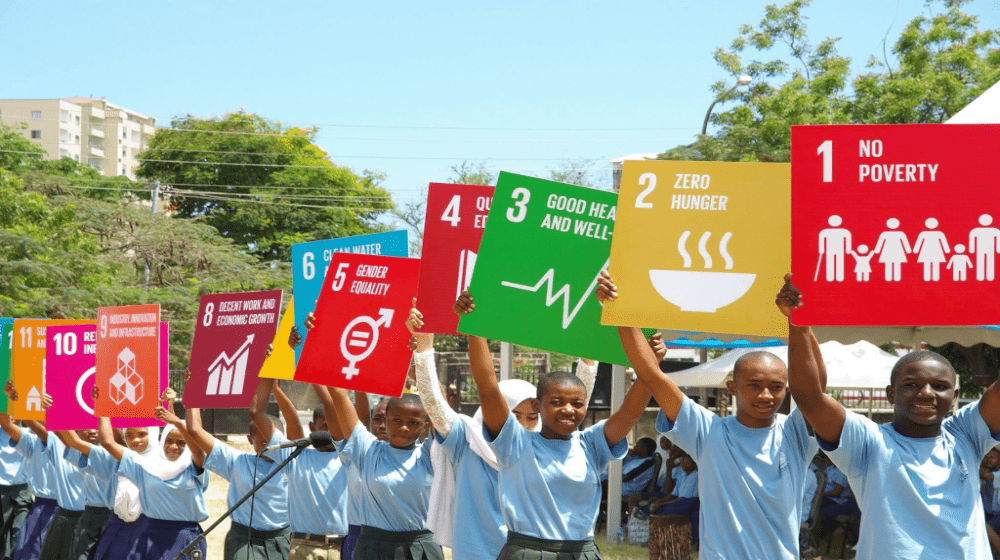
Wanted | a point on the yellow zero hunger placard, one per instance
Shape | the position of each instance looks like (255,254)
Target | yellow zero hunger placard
(701,246)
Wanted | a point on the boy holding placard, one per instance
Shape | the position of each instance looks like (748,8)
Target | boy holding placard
(15,498)
(915,478)
(752,465)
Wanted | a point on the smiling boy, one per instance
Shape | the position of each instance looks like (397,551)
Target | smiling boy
(915,478)
(752,466)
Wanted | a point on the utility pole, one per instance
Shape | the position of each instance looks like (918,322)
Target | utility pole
(156,197)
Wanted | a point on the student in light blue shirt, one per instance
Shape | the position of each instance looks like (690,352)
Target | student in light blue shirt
(15,497)
(268,525)
(58,543)
(549,481)
(465,512)
(317,485)
(41,479)
(915,478)
(752,466)
(171,486)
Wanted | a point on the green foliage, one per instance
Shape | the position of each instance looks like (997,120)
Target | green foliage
(16,151)
(263,185)
(943,62)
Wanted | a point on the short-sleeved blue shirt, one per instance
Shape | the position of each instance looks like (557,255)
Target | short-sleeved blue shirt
(752,480)
(317,491)
(919,497)
(270,506)
(101,471)
(686,485)
(395,483)
(479,531)
(639,483)
(550,488)
(182,498)
(12,470)
(41,472)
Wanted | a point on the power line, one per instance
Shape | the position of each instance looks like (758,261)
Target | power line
(182,192)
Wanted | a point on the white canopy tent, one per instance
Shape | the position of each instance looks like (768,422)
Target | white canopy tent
(861,365)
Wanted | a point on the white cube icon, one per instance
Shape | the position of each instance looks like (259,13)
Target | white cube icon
(126,384)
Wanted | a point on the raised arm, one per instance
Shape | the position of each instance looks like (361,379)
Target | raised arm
(38,428)
(428,385)
(642,358)
(168,416)
(258,408)
(621,422)
(293,426)
(195,435)
(106,436)
(9,426)
(806,374)
(72,440)
(989,407)
(332,421)
(586,370)
(343,411)
(495,410)
(363,409)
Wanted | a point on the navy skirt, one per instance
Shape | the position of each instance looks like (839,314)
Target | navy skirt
(58,543)
(379,544)
(353,532)
(166,539)
(14,503)
(121,540)
(36,526)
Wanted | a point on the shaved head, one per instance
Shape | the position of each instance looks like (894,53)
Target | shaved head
(918,356)
(759,358)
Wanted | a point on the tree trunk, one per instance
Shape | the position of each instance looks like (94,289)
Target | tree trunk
(669,537)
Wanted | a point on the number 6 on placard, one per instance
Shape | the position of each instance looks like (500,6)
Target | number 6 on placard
(521,205)
(640,201)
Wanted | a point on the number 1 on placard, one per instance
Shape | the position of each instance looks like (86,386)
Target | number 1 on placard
(826,150)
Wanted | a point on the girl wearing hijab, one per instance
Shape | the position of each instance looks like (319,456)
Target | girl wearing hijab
(171,487)
(465,467)
(119,537)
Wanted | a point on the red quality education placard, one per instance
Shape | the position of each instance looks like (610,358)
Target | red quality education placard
(896,224)
(230,339)
(453,227)
(360,339)
(128,360)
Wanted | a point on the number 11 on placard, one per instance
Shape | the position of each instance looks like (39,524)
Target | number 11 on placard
(826,150)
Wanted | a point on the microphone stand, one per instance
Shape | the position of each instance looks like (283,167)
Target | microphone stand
(190,551)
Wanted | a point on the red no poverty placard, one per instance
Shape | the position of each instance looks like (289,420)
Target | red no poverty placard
(128,360)
(453,227)
(360,341)
(230,338)
(896,224)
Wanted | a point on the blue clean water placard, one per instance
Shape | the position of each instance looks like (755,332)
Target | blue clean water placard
(310,261)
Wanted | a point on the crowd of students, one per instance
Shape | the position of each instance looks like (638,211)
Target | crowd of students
(520,479)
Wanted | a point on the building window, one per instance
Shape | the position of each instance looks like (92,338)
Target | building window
(123,171)
(78,120)
(77,139)
(36,134)
(124,134)
(36,114)
(63,135)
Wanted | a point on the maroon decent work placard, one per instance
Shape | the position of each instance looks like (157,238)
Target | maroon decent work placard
(896,224)
(230,338)
(360,340)
(453,227)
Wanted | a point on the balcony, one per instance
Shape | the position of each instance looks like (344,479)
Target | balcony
(95,113)
(148,129)
(95,150)
(96,132)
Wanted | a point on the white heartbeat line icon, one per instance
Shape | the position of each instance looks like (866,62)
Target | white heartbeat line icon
(548,280)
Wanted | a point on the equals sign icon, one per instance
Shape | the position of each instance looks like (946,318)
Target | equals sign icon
(358,338)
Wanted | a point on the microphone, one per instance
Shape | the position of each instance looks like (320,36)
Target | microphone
(315,439)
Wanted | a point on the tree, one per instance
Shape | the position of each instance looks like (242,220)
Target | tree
(261,184)
(574,172)
(15,150)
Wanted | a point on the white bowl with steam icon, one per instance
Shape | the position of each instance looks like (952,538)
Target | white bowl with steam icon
(702,291)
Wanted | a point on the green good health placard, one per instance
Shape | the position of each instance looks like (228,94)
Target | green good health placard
(6,343)
(545,244)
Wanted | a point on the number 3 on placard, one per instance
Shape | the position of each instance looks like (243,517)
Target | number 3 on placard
(339,277)
(517,212)
(645,178)
(826,150)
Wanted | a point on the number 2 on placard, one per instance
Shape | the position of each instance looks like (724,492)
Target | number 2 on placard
(826,150)
(451,211)
(640,201)
(517,212)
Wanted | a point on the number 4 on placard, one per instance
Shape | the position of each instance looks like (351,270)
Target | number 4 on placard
(826,150)
(451,211)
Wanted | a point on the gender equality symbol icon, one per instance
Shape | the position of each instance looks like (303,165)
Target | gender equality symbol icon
(364,338)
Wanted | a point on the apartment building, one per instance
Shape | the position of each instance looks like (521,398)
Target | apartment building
(92,131)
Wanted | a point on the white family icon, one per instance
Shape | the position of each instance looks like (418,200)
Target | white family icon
(893,246)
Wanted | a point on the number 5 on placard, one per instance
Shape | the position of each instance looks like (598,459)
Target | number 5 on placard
(339,277)
(517,212)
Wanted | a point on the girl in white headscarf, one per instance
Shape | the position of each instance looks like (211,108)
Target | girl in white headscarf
(465,467)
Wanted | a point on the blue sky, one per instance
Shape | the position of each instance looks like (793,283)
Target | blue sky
(412,88)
